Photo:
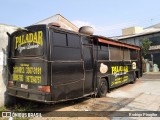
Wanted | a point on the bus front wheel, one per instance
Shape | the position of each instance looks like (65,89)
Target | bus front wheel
(134,78)
(102,88)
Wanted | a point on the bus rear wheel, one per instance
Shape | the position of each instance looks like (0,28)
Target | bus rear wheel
(103,88)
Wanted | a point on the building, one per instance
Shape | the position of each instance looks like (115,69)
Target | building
(135,35)
(3,61)
(64,23)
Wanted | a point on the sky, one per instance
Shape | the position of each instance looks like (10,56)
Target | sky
(107,17)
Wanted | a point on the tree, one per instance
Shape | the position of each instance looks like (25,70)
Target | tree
(145,46)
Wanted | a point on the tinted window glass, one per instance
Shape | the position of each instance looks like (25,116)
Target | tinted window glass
(86,40)
(103,53)
(126,54)
(133,54)
(155,40)
(64,53)
(59,39)
(73,40)
(28,43)
(66,47)
(115,53)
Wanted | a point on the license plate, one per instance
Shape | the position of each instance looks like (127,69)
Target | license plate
(24,86)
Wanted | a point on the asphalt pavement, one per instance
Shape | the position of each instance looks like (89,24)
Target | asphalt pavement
(143,95)
(151,75)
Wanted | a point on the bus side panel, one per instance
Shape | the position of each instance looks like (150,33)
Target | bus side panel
(67,80)
(115,73)
(130,74)
(68,91)
(117,63)
(118,73)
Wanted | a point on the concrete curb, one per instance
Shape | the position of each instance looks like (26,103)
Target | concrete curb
(151,73)
(150,79)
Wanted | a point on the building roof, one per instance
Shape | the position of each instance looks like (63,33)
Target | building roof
(2,25)
(154,26)
(147,31)
(64,23)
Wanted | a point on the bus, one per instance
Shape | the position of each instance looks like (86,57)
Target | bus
(49,64)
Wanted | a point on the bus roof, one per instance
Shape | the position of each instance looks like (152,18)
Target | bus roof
(100,39)
(103,39)
(106,40)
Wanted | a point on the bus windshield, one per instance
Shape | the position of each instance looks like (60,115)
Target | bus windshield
(28,42)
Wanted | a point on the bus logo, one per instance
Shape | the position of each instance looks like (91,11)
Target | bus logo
(6,114)
(103,68)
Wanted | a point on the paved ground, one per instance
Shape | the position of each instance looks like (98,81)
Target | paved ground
(151,75)
(144,95)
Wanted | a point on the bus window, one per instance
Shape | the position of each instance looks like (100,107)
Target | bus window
(103,53)
(115,53)
(66,51)
(86,40)
(63,53)
(133,54)
(28,43)
(126,54)
(60,39)
(73,40)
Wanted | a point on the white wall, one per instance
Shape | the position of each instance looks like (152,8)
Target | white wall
(3,61)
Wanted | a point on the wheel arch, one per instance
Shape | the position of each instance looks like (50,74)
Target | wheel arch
(137,73)
(107,80)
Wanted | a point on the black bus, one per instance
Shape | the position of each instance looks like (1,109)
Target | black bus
(49,64)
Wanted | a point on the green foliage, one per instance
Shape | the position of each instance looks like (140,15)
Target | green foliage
(20,118)
(17,108)
(145,46)
(3,108)
(25,108)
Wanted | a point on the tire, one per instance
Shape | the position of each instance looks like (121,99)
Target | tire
(102,88)
(134,78)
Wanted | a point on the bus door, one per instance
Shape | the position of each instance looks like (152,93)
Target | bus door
(87,50)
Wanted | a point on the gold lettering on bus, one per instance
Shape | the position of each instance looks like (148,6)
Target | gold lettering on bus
(36,37)
(17,77)
(24,72)
(119,80)
(118,69)
(33,70)
(18,70)
(24,65)
(33,79)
